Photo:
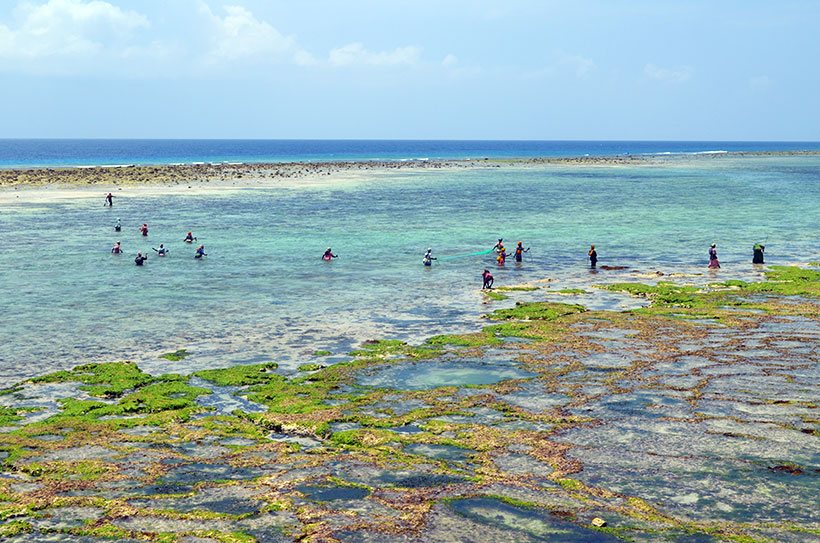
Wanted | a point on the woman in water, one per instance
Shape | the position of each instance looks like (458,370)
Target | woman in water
(757,255)
(140,259)
(328,256)
(502,256)
(200,252)
(487,277)
(713,259)
(116,249)
(117,226)
(189,238)
(162,251)
(144,229)
(519,252)
(498,246)
(109,200)
(428,258)
(593,256)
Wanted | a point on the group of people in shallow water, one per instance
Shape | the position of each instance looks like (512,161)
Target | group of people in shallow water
(518,254)
(501,251)
(427,260)
(488,279)
(757,255)
(161,251)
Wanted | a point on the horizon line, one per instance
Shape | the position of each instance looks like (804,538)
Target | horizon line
(406,140)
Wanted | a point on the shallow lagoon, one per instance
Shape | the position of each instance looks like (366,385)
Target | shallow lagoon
(263,294)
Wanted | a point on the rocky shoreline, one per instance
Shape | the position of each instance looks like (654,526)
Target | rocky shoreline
(176,174)
(690,420)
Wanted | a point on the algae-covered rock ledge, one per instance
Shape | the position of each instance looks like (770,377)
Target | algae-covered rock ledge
(693,419)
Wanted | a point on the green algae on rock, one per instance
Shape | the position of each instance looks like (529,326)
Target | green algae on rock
(536,311)
(668,429)
(104,380)
(176,356)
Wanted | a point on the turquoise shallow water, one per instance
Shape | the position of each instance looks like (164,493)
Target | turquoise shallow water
(263,294)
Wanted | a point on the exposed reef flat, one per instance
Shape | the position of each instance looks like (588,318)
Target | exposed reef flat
(253,174)
(693,419)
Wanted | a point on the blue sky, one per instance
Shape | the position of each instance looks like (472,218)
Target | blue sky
(451,69)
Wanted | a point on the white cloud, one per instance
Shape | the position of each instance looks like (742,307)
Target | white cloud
(69,37)
(239,35)
(449,61)
(65,28)
(356,54)
(672,75)
(560,64)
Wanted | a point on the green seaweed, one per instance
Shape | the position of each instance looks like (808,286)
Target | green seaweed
(109,379)
(9,415)
(322,352)
(309,402)
(570,291)
(15,527)
(536,311)
(784,281)
(176,356)
(518,288)
(476,339)
(664,293)
(493,295)
(253,374)
(385,348)
(80,470)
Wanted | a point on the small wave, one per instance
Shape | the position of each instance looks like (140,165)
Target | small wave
(92,166)
(684,153)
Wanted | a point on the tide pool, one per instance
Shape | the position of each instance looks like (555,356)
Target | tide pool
(263,294)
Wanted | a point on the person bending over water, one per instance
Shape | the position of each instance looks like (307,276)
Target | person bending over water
(116,249)
(144,229)
(162,251)
(593,256)
(200,252)
(328,256)
(428,258)
(140,259)
(117,226)
(488,279)
(189,238)
(757,257)
(109,200)
(519,252)
(498,246)
(713,259)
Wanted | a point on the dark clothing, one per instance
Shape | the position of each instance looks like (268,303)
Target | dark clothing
(593,258)
(758,254)
(140,259)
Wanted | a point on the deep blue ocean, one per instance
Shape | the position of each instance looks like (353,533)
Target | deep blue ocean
(80,152)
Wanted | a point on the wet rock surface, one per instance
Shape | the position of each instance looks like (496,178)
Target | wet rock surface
(538,428)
